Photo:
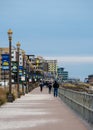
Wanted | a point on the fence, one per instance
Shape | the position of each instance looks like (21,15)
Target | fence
(81,102)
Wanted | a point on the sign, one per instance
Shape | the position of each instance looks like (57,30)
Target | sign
(24,71)
(14,66)
(30,80)
(5,61)
(20,70)
(22,78)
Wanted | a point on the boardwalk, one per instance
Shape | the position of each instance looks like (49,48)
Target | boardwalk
(39,111)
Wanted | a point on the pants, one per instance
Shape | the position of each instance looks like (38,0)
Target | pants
(55,92)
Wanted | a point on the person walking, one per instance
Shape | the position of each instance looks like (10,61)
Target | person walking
(41,86)
(49,87)
(55,86)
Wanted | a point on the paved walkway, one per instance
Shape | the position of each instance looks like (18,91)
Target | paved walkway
(39,111)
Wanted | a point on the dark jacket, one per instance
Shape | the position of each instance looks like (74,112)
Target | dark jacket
(55,85)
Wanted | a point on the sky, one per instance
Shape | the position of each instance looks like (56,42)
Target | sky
(53,29)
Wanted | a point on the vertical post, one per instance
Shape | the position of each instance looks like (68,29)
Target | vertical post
(23,93)
(18,89)
(4,80)
(29,78)
(26,77)
(10,65)
(10,95)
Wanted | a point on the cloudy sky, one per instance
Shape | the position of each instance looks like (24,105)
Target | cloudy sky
(54,29)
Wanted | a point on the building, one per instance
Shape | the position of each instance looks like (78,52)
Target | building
(37,71)
(90,79)
(62,75)
(52,68)
(37,66)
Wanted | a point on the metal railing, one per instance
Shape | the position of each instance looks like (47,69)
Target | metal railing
(81,102)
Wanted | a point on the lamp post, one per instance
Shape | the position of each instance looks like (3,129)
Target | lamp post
(10,95)
(23,93)
(18,48)
(29,87)
(4,79)
(26,75)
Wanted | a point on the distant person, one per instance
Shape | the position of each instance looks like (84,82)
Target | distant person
(41,86)
(55,86)
(49,87)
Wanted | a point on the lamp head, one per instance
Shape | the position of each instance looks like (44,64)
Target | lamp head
(23,51)
(18,44)
(10,34)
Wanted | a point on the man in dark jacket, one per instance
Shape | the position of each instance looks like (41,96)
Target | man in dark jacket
(55,86)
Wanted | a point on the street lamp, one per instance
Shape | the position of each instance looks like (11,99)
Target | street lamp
(27,75)
(23,54)
(29,87)
(10,95)
(18,48)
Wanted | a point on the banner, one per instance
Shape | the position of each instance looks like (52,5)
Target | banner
(20,70)
(14,66)
(5,61)
(23,78)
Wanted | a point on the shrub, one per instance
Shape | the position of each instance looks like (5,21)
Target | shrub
(3,97)
(82,87)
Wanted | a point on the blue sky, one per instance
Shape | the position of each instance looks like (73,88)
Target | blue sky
(59,29)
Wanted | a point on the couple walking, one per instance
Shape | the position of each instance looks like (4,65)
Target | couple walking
(49,85)
(55,86)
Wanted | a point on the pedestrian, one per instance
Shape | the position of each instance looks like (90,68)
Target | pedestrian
(49,87)
(41,86)
(55,86)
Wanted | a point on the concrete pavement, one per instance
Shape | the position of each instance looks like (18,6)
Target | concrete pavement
(39,111)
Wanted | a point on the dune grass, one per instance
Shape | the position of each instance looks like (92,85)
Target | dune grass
(3,96)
